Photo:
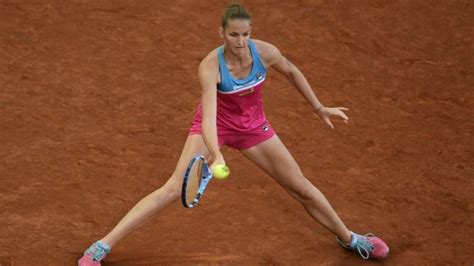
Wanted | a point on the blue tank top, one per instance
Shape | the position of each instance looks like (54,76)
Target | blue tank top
(231,85)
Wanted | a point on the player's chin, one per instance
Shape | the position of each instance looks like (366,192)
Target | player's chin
(239,50)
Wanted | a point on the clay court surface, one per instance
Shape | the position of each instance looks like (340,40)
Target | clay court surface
(96,98)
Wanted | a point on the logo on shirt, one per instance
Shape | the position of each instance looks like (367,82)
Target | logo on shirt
(259,76)
(265,128)
(251,90)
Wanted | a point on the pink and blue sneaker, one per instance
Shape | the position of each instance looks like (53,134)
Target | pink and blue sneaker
(369,246)
(94,254)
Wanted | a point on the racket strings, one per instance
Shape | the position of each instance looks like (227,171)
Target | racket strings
(194,182)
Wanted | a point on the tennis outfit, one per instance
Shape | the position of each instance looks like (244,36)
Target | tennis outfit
(241,121)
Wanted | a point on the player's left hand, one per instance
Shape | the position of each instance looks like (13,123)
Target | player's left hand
(325,112)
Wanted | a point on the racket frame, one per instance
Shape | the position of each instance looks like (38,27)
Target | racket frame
(206,176)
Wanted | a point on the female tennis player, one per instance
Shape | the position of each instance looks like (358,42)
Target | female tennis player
(232,78)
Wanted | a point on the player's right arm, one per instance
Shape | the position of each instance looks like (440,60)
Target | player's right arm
(209,77)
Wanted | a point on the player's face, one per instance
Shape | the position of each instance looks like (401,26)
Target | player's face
(236,36)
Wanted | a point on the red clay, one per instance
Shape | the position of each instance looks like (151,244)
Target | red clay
(96,98)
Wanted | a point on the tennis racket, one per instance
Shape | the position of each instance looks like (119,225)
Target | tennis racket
(197,176)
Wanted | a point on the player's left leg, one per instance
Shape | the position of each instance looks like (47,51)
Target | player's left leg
(274,158)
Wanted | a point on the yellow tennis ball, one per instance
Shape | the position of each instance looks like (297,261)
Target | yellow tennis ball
(220,171)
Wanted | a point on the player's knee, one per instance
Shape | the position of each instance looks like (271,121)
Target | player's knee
(303,191)
(174,194)
(168,193)
(173,190)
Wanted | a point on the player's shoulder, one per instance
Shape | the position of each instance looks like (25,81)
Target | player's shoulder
(209,67)
(267,51)
(210,61)
(262,44)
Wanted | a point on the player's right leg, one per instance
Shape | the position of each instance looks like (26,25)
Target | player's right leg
(149,206)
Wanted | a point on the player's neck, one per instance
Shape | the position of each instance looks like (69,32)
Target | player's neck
(237,59)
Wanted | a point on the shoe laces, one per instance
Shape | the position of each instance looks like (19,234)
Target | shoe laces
(364,245)
(98,251)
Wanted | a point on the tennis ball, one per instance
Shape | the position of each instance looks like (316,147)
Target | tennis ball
(220,171)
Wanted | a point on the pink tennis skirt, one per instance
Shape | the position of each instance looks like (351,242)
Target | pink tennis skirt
(239,140)
(241,121)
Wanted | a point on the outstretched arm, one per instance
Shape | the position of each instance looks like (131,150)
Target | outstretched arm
(275,59)
(208,72)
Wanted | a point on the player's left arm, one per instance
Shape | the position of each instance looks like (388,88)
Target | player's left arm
(272,57)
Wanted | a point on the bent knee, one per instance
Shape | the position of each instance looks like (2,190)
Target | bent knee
(174,193)
(174,190)
(170,192)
